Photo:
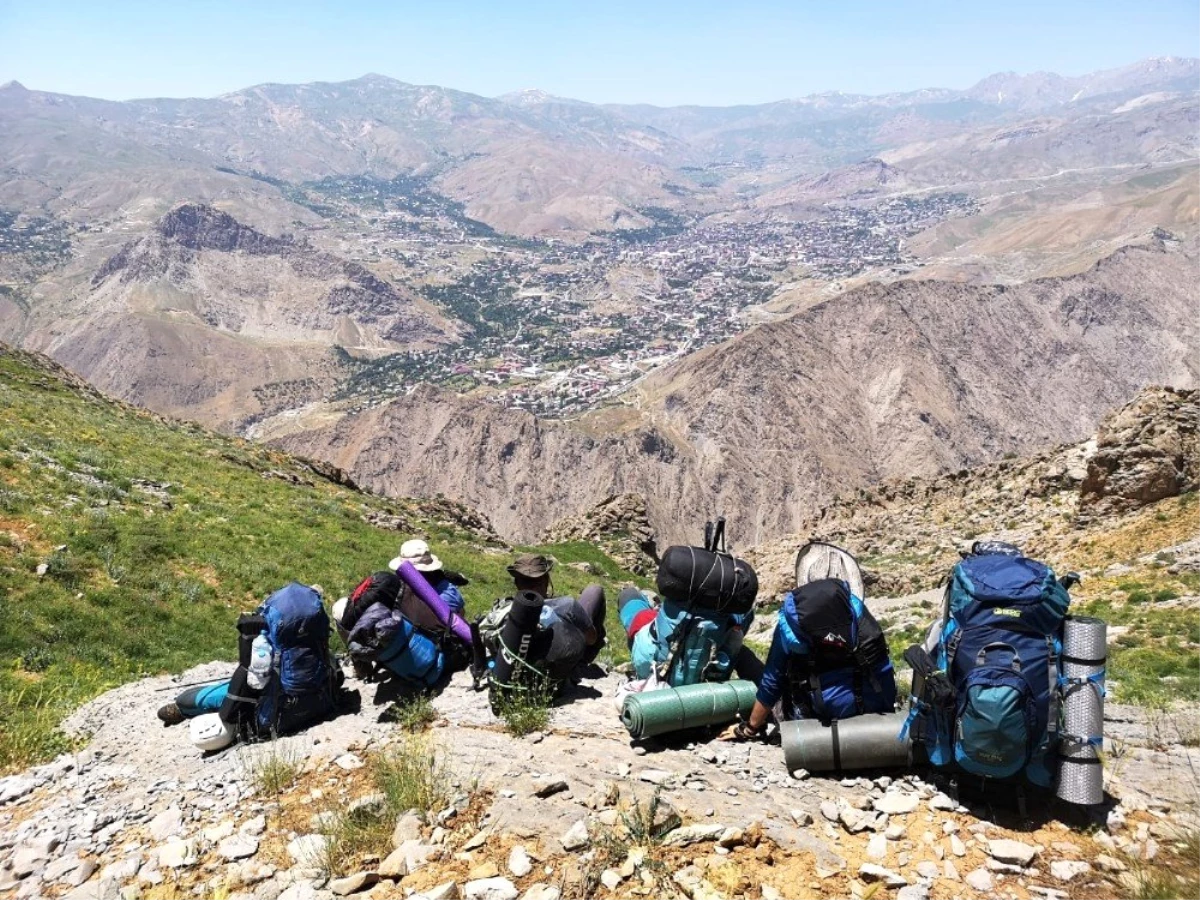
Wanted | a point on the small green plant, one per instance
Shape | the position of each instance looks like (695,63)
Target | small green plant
(273,767)
(413,714)
(527,709)
(407,775)
(412,775)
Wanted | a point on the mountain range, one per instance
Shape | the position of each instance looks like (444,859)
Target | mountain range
(845,288)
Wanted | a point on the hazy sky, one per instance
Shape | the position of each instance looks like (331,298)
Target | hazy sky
(604,50)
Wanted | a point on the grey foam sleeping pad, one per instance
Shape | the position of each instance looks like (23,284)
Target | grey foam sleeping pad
(869,741)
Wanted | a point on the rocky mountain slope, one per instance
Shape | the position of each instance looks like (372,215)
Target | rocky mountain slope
(883,381)
(209,318)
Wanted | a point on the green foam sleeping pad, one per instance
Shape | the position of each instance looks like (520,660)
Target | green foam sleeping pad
(692,706)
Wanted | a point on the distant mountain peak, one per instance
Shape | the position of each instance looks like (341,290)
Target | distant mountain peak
(14,85)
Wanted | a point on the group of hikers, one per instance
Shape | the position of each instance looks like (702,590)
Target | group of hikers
(989,680)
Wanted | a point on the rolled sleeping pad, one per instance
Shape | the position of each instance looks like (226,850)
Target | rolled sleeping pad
(424,590)
(869,741)
(666,710)
(1080,770)
(517,637)
(705,580)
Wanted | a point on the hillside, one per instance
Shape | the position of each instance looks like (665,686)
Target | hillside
(1119,508)
(129,543)
(907,378)
(208,318)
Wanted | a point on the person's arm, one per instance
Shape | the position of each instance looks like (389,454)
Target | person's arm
(769,690)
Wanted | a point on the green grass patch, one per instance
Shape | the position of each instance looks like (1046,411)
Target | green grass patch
(154,535)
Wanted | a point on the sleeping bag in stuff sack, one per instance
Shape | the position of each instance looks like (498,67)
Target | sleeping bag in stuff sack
(704,579)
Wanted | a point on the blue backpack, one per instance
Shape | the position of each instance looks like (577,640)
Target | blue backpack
(300,690)
(989,699)
(837,656)
(697,646)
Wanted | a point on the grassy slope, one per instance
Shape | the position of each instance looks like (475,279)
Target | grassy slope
(139,582)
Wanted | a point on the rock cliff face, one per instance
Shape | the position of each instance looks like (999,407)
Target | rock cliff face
(912,378)
(208,318)
(1145,451)
(618,524)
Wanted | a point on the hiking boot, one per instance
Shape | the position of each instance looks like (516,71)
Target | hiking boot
(170,714)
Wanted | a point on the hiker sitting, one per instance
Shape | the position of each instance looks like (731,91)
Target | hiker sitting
(446,583)
(285,679)
(576,626)
(675,647)
(528,642)
(828,660)
(389,630)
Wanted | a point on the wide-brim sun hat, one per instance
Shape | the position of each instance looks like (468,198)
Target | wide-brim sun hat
(418,553)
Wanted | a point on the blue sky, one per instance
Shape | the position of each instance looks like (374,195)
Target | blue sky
(656,52)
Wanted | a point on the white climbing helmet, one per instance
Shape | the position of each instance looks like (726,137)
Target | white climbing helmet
(209,733)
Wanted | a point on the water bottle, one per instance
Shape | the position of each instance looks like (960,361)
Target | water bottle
(260,663)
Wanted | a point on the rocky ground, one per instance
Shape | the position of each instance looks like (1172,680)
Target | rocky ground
(139,812)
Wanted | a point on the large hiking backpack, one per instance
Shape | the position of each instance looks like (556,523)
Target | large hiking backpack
(838,663)
(688,647)
(301,685)
(988,695)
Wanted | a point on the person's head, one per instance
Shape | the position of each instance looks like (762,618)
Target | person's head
(531,572)
(418,553)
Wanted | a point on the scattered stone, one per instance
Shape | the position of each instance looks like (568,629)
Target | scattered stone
(541,891)
(950,871)
(15,786)
(870,872)
(941,802)
(551,788)
(1068,869)
(829,810)
(980,880)
(895,832)
(490,889)
(477,840)
(238,846)
(1110,863)
(308,849)
(352,884)
(166,824)
(519,863)
(768,892)
(395,866)
(799,775)
(877,848)
(957,847)
(802,819)
(666,818)
(1013,852)
(122,870)
(693,834)
(913,892)
(409,827)
(349,762)
(731,837)
(851,819)
(610,878)
(577,836)
(928,869)
(216,833)
(85,870)
(656,776)
(445,891)
(417,854)
(254,827)
(177,854)
(895,803)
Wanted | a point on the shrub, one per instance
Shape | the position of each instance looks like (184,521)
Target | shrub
(527,710)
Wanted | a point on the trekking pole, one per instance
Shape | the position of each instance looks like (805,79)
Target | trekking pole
(184,687)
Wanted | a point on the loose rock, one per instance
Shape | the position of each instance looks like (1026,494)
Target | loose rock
(490,889)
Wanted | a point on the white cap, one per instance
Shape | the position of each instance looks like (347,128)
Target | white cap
(418,553)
